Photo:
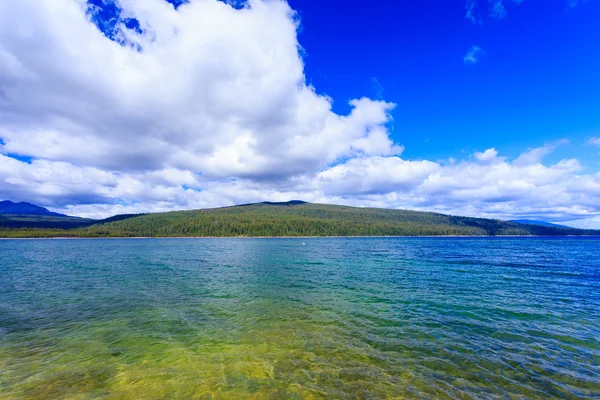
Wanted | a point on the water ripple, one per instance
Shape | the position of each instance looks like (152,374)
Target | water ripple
(448,318)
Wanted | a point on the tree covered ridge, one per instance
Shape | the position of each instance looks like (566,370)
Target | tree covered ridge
(297,219)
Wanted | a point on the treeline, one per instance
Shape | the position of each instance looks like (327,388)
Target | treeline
(21,233)
(43,221)
(25,223)
(296,219)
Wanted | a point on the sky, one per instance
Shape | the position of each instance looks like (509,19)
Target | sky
(482,108)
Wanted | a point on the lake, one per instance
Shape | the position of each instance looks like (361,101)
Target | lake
(353,318)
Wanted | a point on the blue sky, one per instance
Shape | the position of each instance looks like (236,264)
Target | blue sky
(536,80)
(484,108)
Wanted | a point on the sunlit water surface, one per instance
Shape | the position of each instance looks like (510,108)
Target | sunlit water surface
(300,318)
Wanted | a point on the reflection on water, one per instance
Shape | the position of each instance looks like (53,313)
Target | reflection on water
(300,318)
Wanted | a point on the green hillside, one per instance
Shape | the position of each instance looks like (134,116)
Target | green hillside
(297,219)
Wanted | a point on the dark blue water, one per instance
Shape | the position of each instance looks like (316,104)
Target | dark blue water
(300,318)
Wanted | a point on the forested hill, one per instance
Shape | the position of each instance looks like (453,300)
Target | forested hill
(299,219)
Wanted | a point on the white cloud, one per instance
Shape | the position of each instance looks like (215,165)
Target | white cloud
(214,90)
(374,175)
(490,186)
(215,110)
(595,141)
(473,55)
(488,156)
(534,156)
(470,12)
(497,9)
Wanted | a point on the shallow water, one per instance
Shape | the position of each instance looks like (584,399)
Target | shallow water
(351,318)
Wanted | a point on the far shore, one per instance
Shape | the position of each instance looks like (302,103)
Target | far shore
(301,237)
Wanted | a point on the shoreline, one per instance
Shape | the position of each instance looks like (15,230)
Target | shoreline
(300,237)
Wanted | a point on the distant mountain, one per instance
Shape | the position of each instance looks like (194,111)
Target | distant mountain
(23,215)
(23,208)
(539,223)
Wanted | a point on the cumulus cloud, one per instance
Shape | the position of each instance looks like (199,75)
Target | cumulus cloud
(488,156)
(207,88)
(490,186)
(473,55)
(207,105)
(595,141)
(374,176)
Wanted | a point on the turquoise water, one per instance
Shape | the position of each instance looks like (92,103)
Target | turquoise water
(353,318)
